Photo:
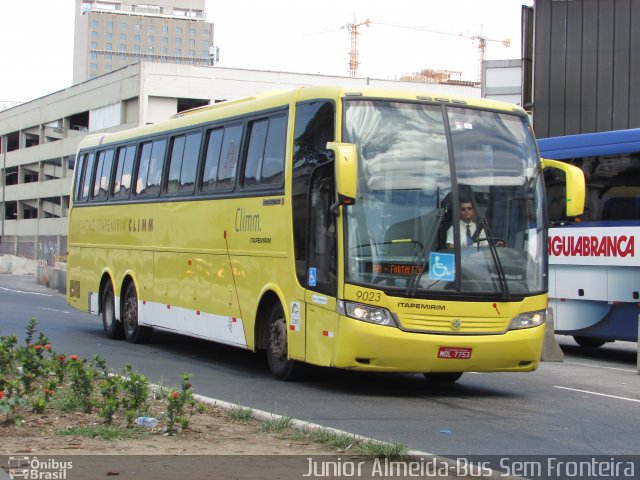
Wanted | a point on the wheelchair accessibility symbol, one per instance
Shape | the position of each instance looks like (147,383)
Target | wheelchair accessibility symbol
(442,266)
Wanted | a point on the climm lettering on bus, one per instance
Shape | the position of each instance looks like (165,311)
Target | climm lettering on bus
(592,246)
(246,222)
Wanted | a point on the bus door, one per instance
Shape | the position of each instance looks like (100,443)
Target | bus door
(322,268)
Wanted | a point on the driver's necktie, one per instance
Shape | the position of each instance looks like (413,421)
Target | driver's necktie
(469,238)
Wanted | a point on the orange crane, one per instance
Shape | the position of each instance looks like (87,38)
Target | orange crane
(353,53)
(480,37)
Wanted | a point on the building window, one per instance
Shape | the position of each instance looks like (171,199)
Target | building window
(151,29)
(192,43)
(178,52)
(165,29)
(94,35)
(93,67)
(136,38)
(123,26)
(107,58)
(109,25)
(192,53)
(108,46)
(192,32)
(164,51)
(136,27)
(123,37)
(94,23)
(150,50)
(151,39)
(93,45)
(123,47)
(164,39)
(136,48)
(178,41)
(93,56)
(108,67)
(178,30)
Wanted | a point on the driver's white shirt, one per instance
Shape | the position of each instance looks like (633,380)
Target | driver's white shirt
(463,234)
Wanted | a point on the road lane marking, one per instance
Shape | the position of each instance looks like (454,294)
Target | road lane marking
(21,291)
(600,366)
(53,310)
(596,393)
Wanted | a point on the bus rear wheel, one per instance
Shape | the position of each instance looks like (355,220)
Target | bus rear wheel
(133,331)
(280,365)
(589,342)
(442,378)
(112,328)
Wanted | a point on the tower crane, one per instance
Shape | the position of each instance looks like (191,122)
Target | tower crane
(480,37)
(353,53)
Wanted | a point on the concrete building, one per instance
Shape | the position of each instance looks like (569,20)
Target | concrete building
(110,34)
(39,139)
(502,80)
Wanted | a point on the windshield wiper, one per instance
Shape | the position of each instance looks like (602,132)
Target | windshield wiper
(421,261)
(504,286)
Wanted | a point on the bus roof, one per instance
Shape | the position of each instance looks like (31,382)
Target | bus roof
(590,144)
(276,98)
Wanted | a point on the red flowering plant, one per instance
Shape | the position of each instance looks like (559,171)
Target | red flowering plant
(178,403)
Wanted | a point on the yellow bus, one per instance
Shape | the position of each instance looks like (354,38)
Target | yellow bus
(317,225)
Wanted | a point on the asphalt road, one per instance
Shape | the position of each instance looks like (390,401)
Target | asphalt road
(589,404)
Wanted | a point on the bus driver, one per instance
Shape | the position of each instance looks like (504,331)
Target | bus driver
(469,230)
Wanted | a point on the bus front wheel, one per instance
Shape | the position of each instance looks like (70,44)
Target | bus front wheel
(133,331)
(112,327)
(280,365)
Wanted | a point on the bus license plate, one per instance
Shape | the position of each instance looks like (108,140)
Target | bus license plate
(456,353)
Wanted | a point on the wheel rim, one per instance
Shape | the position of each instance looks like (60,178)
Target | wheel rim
(131,314)
(108,309)
(278,338)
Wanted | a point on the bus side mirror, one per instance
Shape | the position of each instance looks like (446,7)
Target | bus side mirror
(575,185)
(346,168)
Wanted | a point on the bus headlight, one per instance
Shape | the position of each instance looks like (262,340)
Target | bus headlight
(528,320)
(367,313)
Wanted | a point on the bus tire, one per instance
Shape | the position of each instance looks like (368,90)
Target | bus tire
(112,328)
(442,378)
(133,331)
(280,365)
(589,342)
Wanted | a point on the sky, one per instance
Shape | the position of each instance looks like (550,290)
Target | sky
(282,35)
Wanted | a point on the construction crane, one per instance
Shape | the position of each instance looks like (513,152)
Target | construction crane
(480,37)
(353,53)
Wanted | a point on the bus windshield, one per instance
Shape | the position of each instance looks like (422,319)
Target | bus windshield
(421,167)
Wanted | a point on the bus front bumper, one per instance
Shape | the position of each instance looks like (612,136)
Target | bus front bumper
(365,346)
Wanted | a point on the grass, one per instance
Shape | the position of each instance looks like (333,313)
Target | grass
(344,442)
(104,432)
(279,425)
(240,414)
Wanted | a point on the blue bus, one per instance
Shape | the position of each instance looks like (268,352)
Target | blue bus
(594,259)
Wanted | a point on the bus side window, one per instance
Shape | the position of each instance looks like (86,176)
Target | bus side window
(265,155)
(103,174)
(123,171)
(150,169)
(212,159)
(229,157)
(79,168)
(87,170)
(95,192)
(183,163)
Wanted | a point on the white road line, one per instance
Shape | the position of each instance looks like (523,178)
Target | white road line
(600,366)
(30,293)
(596,393)
(53,310)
